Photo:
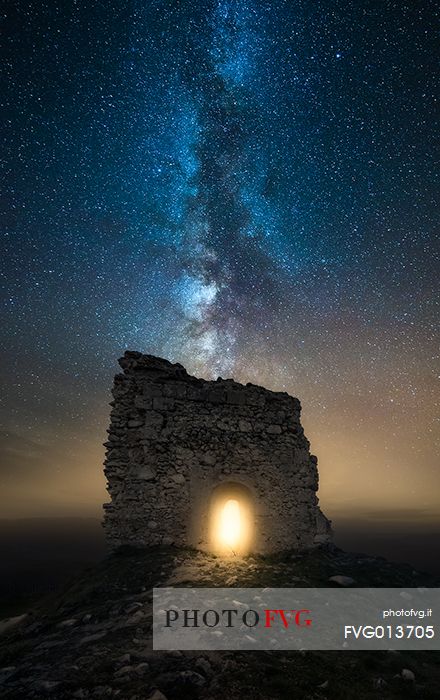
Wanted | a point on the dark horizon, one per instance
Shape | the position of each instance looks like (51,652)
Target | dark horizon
(400,541)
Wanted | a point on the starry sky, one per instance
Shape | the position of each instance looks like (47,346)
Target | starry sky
(247,188)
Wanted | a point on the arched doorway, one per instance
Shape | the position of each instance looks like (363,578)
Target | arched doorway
(231,519)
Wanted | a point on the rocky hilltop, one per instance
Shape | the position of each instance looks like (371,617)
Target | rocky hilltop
(93,640)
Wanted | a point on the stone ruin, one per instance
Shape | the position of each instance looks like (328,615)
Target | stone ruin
(176,444)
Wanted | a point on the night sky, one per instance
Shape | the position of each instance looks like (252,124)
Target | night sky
(247,188)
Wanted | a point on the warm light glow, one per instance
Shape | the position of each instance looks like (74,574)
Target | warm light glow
(230,523)
(231,520)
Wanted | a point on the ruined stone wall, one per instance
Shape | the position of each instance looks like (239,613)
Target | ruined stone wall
(173,438)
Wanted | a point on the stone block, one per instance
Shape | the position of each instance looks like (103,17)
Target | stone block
(178,478)
(175,391)
(135,423)
(236,398)
(216,396)
(142,402)
(145,473)
(161,403)
(196,393)
(273,429)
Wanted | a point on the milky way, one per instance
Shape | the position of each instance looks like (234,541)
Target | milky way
(246,188)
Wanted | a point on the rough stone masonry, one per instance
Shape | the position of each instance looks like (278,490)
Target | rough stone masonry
(173,439)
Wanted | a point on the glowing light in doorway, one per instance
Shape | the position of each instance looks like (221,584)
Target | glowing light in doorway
(230,524)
